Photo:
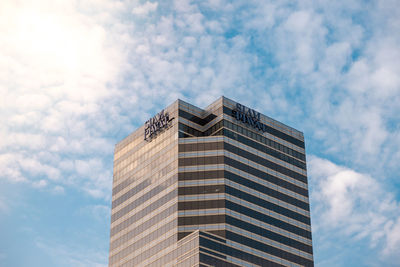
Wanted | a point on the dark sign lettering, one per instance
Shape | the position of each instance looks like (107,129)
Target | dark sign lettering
(249,116)
(156,124)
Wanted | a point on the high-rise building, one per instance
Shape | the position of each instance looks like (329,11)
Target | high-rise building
(223,186)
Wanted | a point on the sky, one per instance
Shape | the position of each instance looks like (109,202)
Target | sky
(77,76)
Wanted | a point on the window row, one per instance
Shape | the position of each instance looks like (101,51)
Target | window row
(269,241)
(266,176)
(195,220)
(145,211)
(158,175)
(293,159)
(170,256)
(213,219)
(147,254)
(213,236)
(201,146)
(264,162)
(196,119)
(228,186)
(189,130)
(201,205)
(267,234)
(266,190)
(143,226)
(148,195)
(230,205)
(135,140)
(195,161)
(195,190)
(194,132)
(219,146)
(256,183)
(140,244)
(208,158)
(211,131)
(233,252)
(146,150)
(144,163)
(268,249)
(174,254)
(273,131)
(270,213)
(132,192)
(200,161)
(213,253)
(266,204)
(190,261)
(263,217)
(211,261)
(220,229)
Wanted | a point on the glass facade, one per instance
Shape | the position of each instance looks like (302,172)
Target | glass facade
(223,186)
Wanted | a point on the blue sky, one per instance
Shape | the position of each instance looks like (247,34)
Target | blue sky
(78,76)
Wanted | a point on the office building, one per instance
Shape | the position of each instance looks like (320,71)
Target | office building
(220,186)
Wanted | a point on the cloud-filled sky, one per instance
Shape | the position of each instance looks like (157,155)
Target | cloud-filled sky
(78,76)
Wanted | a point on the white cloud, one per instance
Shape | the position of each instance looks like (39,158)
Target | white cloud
(353,207)
(40,184)
(341,74)
(79,80)
(59,65)
(77,75)
(58,190)
(392,232)
(10,169)
(145,9)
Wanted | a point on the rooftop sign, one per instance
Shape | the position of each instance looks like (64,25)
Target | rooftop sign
(156,124)
(249,116)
